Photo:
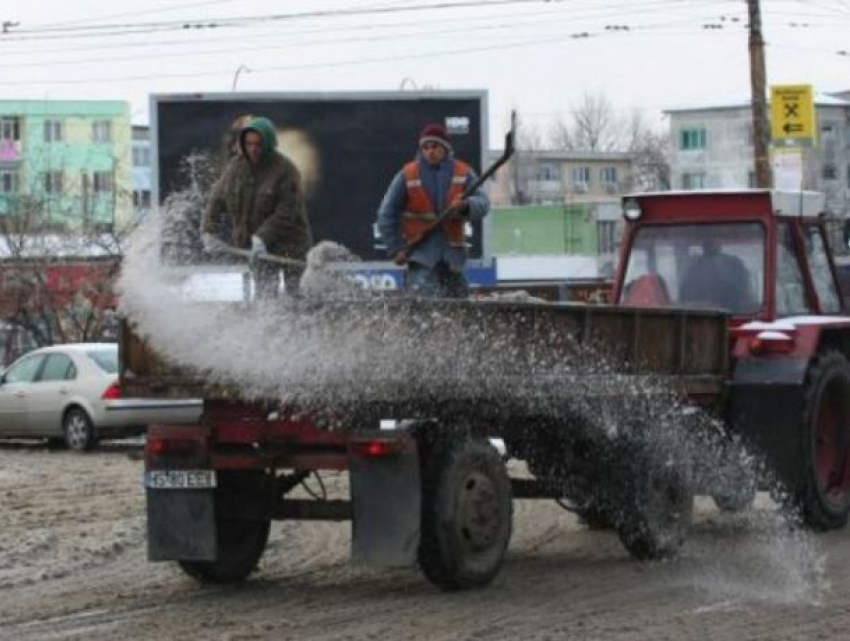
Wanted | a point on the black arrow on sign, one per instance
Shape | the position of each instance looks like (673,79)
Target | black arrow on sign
(792,128)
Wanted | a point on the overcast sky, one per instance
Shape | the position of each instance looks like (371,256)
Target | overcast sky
(536,56)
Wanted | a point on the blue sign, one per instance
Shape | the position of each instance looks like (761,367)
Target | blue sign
(379,279)
(392,278)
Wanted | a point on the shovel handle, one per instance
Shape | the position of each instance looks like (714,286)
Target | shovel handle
(269,258)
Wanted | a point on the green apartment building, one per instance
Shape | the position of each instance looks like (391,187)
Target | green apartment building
(66,163)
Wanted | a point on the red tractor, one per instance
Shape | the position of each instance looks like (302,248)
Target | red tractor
(763,256)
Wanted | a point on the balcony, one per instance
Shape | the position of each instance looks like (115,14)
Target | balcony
(545,187)
(10,151)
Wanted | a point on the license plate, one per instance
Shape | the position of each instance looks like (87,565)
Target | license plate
(180,479)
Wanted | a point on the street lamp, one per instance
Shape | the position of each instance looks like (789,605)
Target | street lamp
(239,70)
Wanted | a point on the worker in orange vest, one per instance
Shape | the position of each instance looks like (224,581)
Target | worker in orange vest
(430,184)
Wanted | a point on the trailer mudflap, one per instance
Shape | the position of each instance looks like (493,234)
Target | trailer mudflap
(181,525)
(385,493)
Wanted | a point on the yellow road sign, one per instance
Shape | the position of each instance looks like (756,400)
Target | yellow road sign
(792,114)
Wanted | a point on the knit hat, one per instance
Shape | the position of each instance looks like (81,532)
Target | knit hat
(435,132)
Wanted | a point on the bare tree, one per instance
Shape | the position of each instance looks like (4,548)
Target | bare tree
(56,278)
(529,142)
(593,125)
(651,153)
(561,135)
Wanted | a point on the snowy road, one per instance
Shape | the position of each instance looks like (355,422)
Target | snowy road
(73,566)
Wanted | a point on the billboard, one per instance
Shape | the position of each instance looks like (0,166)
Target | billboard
(348,147)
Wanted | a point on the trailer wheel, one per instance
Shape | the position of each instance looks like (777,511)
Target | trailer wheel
(824,495)
(596,517)
(657,509)
(735,502)
(240,542)
(466,514)
(740,486)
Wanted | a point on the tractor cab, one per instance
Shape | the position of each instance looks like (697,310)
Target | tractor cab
(757,254)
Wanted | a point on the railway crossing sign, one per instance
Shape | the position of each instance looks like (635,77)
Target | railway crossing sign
(792,115)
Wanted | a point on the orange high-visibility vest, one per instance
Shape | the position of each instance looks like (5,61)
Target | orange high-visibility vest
(421,214)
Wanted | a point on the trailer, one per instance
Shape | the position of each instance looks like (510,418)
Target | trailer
(214,488)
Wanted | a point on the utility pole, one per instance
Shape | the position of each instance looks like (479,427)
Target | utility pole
(761,138)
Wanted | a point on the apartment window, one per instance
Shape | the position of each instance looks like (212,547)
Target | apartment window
(10,129)
(54,131)
(829,172)
(102,131)
(102,182)
(608,175)
(53,182)
(692,180)
(141,156)
(142,198)
(692,139)
(606,236)
(581,178)
(547,171)
(8,181)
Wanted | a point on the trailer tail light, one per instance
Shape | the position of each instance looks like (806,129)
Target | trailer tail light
(377,447)
(771,342)
(158,446)
(112,392)
(177,447)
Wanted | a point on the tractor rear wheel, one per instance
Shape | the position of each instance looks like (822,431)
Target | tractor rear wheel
(823,494)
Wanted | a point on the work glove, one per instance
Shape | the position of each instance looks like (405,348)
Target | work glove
(212,243)
(459,208)
(258,250)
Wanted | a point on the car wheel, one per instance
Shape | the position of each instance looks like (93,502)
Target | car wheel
(79,430)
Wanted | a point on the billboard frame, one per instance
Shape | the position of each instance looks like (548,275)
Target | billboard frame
(330,96)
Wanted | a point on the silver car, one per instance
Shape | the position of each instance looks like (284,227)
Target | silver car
(71,393)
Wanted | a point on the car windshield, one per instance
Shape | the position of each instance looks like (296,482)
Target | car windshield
(105,359)
(709,266)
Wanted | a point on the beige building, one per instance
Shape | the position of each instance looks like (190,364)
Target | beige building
(561,177)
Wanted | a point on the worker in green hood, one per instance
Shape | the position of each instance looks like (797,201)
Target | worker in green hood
(258,205)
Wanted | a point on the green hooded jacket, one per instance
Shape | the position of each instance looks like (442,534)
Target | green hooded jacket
(266,200)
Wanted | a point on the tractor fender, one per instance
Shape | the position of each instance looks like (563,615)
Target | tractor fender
(766,404)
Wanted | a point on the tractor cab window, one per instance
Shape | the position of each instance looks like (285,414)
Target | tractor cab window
(821,272)
(716,266)
(790,287)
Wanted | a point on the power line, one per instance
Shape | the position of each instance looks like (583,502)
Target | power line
(171,7)
(242,21)
(631,8)
(534,21)
(317,65)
